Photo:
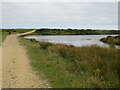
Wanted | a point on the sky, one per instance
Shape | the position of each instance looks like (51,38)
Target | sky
(93,15)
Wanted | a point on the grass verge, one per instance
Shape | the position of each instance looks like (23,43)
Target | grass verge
(4,35)
(66,66)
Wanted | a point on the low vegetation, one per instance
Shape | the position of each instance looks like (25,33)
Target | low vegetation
(67,66)
(114,40)
(74,32)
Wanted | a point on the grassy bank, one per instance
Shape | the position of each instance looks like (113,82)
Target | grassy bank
(114,40)
(72,67)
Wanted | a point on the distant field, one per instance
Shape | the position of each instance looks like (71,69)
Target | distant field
(74,67)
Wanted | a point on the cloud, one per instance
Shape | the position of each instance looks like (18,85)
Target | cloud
(74,14)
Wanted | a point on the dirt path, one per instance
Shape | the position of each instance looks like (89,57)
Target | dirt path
(16,70)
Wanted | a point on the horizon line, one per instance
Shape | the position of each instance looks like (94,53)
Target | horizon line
(59,28)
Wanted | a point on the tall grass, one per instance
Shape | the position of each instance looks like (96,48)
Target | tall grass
(72,67)
(100,63)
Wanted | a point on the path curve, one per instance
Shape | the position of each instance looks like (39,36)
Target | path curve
(16,69)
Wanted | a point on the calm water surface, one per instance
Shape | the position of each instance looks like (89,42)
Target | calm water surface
(76,40)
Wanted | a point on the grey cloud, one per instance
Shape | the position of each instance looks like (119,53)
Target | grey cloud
(61,14)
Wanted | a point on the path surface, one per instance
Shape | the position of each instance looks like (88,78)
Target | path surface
(16,70)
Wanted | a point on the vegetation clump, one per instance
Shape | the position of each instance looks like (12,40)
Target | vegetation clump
(45,45)
(33,40)
(114,40)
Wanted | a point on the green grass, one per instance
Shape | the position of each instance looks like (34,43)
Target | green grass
(74,67)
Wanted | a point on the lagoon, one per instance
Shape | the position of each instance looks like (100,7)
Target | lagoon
(76,40)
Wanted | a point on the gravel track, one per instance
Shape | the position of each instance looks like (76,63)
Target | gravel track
(16,69)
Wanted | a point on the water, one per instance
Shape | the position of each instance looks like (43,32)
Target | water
(76,40)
